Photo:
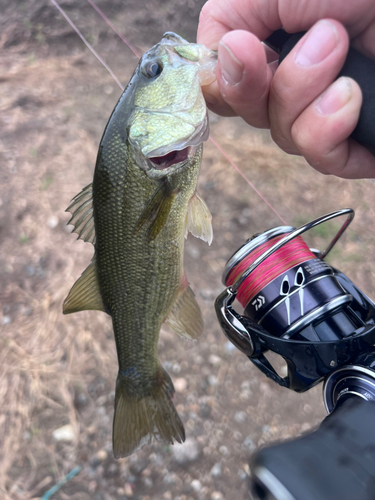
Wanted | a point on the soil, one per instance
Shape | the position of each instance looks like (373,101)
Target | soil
(55,99)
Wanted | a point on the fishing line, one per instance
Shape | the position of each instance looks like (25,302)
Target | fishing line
(98,10)
(285,258)
(87,44)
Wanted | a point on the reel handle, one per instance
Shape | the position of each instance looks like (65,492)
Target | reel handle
(336,462)
(356,66)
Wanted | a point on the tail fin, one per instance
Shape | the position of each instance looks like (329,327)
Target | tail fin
(138,419)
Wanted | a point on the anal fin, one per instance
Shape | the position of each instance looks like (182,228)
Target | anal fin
(85,294)
(185,317)
(198,219)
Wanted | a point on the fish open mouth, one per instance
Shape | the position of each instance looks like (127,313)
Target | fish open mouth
(170,159)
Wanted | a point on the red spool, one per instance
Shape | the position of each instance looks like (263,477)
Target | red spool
(289,255)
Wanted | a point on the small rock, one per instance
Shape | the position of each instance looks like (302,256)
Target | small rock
(112,470)
(240,416)
(180,384)
(214,360)
(101,401)
(91,430)
(128,490)
(307,408)
(186,452)
(52,221)
(229,348)
(224,451)
(196,485)
(217,495)
(176,368)
(81,400)
(170,478)
(216,470)
(212,380)
(207,293)
(27,436)
(237,436)
(204,410)
(148,482)
(64,433)
(192,251)
(99,457)
(245,396)
(26,311)
(108,89)
(6,320)
(249,444)
(242,475)
(92,486)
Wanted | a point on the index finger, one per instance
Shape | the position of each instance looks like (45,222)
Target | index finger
(218,17)
(261,17)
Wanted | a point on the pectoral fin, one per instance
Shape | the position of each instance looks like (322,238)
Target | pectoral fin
(83,215)
(157,211)
(185,317)
(198,219)
(85,294)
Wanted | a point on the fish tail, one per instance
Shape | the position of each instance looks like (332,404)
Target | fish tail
(139,419)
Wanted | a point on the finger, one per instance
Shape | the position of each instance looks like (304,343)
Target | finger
(261,17)
(218,17)
(320,133)
(215,100)
(303,75)
(244,77)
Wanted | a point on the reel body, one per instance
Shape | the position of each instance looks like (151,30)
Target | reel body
(295,305)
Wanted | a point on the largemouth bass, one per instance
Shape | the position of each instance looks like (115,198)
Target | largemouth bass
(136,213)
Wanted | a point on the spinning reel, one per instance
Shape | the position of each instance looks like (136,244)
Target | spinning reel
(298,306)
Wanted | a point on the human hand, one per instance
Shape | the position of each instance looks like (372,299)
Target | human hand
(307,111)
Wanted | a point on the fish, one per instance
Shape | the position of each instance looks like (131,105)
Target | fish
(136,213)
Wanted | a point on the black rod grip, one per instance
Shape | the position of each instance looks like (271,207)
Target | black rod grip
(356,66)
(336,462)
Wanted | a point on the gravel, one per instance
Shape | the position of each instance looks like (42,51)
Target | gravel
(186,452)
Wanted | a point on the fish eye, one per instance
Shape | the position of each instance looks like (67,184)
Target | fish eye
(153,69)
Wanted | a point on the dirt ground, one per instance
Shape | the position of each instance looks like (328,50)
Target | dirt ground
(55,371)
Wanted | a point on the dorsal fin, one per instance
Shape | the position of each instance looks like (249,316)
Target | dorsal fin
(83,215)
(85,294)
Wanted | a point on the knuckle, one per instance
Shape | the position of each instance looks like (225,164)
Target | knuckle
(282,141)
(304,140)
(282,94)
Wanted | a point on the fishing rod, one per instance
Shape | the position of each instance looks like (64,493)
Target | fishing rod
(323,326)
